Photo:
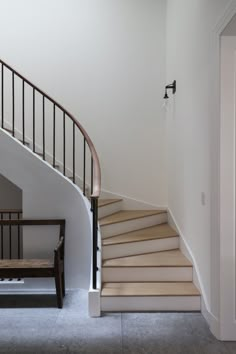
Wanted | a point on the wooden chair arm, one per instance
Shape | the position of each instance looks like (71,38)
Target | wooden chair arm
(60,245)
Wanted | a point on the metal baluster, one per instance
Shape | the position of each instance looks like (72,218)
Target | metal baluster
(33,120)
(91,175)
(74,152)
(84,167)
(18,237)
(54,134)
(2,241)
(10,240)
(94,206)
(44,127)
(13,104)
(23,111)
(2,92)
(64,143)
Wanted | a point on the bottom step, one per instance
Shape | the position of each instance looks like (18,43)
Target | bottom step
(150,297)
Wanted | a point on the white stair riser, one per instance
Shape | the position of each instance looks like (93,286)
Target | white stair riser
(109,209)
(132,225)
(146,274)
(150,303)
(141,247)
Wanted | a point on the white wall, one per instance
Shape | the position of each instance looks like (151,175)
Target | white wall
(46,194)
(192,167)
(104,60)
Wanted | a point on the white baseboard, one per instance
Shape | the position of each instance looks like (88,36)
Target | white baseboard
(212,321)
(129,203)
(48,157)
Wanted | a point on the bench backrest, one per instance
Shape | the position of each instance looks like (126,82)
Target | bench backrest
(25,222)
(36,222)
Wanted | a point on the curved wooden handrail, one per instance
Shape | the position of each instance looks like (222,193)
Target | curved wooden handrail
(96,164)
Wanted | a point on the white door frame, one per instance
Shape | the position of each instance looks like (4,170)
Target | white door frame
(223,325)
(227,190)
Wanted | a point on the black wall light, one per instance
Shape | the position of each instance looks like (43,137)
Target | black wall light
(170,87)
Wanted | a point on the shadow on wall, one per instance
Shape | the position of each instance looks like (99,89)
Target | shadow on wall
(10,208)
(10,195)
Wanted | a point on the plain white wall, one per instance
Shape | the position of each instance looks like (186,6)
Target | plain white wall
(192,61)
(104,60)
(47,194)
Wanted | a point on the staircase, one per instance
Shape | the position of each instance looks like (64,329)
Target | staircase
(142,266)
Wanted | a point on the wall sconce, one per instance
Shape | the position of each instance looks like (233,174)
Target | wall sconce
(170,87)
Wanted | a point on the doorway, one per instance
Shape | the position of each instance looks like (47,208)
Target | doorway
(227,181)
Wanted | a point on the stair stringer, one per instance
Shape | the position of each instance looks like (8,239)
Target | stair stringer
(48,156)
(129,203)
(48,194)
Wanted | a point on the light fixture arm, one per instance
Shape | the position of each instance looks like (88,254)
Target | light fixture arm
(170,87)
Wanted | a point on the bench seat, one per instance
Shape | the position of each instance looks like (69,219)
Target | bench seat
(27,268)
(26,263)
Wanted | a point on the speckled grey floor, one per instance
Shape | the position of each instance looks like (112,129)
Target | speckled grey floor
(31,324)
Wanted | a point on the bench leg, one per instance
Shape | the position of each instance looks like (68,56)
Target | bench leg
(63,283)
(58,282)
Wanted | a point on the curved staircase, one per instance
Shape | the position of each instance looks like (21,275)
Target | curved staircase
(142,266)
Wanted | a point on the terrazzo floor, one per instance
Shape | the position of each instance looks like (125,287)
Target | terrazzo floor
(32,324)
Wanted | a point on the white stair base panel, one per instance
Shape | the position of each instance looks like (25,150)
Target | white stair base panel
(132,225)
(150,303)
(147,274)
(109,209)
(140,247)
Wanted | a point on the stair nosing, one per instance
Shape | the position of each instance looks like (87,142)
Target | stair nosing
(135,241)
(156,212)
(139,254)
(113,201)
(148,266)
(195,291)
(189,265)
(151,238)
(147,295)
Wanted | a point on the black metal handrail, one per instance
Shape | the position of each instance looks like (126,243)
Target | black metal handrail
(95,171)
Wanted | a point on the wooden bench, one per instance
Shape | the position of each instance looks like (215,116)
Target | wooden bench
(38,268)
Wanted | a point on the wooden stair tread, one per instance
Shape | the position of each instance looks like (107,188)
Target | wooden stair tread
(149,233)
(172,258)
(104,202)
(126,215)
(26,263)
(150,289)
